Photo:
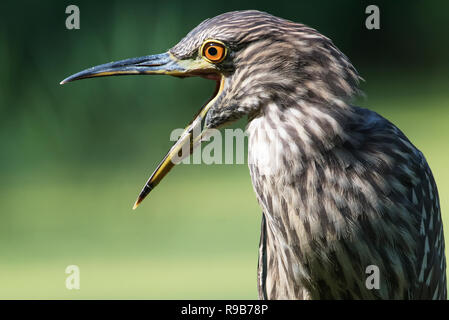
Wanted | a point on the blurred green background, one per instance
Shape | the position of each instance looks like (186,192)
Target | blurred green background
(74,158)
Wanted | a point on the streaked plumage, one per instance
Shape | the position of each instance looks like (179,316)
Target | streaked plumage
(341,188)
(369,201)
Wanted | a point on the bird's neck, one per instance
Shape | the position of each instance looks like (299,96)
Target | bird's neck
(288,150)
(284,138)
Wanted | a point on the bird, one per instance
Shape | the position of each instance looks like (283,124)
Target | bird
(341,188)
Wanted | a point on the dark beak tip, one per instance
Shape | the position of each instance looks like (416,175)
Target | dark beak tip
(66,80)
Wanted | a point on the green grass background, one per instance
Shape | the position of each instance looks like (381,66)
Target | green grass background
(74,158)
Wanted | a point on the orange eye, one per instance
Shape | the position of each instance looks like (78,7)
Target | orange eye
(214,51)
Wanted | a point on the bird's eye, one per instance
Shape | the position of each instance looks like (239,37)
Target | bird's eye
(214,52)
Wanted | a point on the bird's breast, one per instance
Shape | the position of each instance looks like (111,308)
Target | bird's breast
(273,142)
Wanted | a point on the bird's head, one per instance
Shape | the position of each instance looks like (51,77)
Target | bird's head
(254,58)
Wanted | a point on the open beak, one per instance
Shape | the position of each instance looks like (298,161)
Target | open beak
(167,64)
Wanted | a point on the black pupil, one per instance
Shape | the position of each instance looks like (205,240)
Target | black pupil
(212,51)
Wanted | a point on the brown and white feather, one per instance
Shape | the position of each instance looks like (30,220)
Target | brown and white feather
(341,188)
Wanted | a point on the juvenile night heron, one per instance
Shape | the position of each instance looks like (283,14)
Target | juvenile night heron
(341,188)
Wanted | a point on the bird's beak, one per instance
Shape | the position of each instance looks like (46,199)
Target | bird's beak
(163,63)
(167,64)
